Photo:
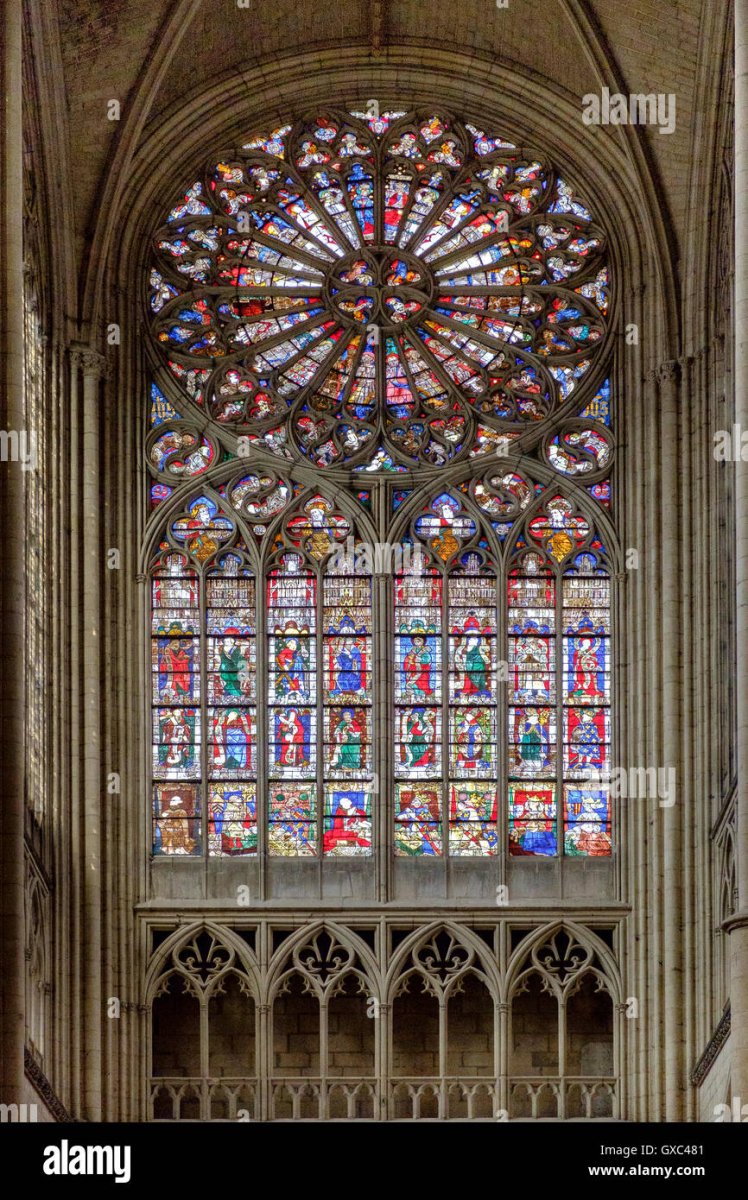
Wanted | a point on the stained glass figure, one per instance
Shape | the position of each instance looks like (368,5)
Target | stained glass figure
(176,819)
(559,694)
(204,529)
(473,698)
(204,716)
(532,819)
(232,819)
(418,819)
(347,823)
(473,814)
(587,697)
(587,821)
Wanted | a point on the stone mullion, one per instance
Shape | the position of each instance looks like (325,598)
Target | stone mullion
(320,715)
(738,925)
(446,729)
(380,189)
(202,646)
(263,721)
(383,794)
(559,649)
(501,710)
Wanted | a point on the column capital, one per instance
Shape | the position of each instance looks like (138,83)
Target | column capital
(88,360)
(668,371)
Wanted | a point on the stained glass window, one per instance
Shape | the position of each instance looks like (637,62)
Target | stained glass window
(586,683)
(375,293)
(473,725)
(347,688)
(232,707)
(204,701)
(446,697)
(473,757)
(419,716)
(293,712)
(532,709)
(559,690)
(177,800)
(377,299)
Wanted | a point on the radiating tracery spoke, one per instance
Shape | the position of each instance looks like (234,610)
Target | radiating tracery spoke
(389,288)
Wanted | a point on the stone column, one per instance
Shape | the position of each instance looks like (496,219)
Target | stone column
(12,587)
(263,1064)
(738,925)
(671,819)
(92,365)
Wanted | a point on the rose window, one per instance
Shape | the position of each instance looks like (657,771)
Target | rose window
(379,292)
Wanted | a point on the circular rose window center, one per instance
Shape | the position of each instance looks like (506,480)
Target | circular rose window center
(379,287)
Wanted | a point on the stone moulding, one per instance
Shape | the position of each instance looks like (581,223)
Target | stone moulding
(36,1076)
(714,1045)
